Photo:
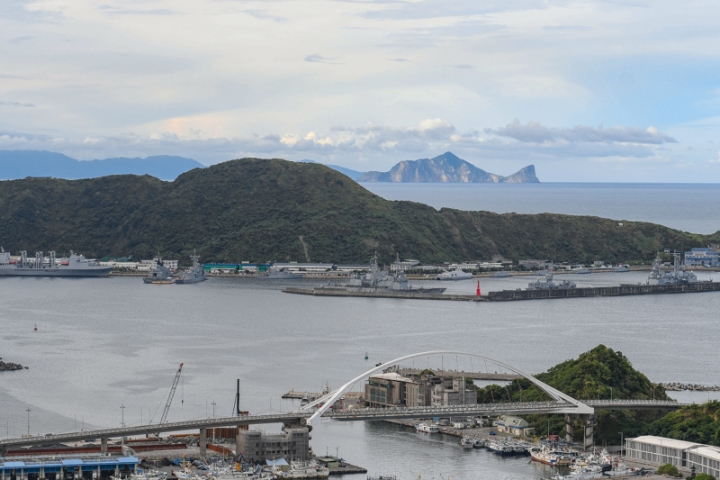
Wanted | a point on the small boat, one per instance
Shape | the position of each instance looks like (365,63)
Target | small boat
(478,442)
(467,442)
(427,428)
(621,269)
(454,274)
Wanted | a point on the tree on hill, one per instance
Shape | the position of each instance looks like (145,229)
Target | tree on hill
(600,373)
(693,423)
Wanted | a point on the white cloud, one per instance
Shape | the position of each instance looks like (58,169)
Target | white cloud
(538,133)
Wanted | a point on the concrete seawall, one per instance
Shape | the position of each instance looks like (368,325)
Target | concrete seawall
(615,291)
(340,292)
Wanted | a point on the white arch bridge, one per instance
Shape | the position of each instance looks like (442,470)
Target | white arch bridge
(559,403)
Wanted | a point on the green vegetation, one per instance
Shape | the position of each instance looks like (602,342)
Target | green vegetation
(260,210)
(694,423)
(704,476)
(668,469)
(599,374)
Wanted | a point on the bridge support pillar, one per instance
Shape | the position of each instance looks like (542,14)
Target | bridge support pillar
(203,442)
(577,425)
(103,445)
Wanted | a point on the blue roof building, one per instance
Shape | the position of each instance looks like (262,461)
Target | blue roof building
(701,257)
(59,469)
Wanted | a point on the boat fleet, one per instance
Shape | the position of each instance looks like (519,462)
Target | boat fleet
(162,275)
(223,470)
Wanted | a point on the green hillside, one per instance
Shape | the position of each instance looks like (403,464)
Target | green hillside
(599,374)
(260,210)
(694,423)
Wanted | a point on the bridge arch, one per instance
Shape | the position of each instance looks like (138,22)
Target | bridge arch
(329,399)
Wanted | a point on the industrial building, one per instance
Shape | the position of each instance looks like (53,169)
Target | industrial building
(394,390)
(682,454)
(293,444)
(96,468)
(702,257)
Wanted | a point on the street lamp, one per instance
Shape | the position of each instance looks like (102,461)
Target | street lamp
(610,393)
(28,412)
(122,418)
(622,444)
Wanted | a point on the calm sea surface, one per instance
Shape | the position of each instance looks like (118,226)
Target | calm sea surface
(105,343)
(688,207)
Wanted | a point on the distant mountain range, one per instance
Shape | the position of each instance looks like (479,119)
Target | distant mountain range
(16,164)
(446,168)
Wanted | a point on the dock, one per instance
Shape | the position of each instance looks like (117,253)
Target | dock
(408,294)
(512,295)
(615,291)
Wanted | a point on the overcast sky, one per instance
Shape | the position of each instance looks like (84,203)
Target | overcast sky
(607,90)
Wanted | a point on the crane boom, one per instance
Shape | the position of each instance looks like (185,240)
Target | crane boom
(171,395)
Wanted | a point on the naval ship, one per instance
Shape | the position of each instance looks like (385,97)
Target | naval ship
(75,266)
(194,275)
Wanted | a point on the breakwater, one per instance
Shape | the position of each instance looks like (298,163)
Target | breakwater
(681,387)
(614,291)
(9,366)
(409,294)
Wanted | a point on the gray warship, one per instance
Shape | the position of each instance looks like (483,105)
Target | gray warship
(160,275)
(193,275)
(677,276)
(75,266)
(549,284)
(377,280)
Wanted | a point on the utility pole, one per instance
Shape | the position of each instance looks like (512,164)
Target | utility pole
(28,412)
(122,418)
(621,444)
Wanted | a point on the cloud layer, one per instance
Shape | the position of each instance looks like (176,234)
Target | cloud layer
(366,83)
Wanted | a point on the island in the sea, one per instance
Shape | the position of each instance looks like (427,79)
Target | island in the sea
(446,168)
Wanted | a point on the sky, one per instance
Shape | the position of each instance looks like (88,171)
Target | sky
(587,91)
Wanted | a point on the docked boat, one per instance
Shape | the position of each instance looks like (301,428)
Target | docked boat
(308,469)
(677,276)
(193,275)
(427,428)
(467,442)
(377,281)
(75,266)
(160,275)
(621,269)
(580,271)
(502,274)
(549,456)
(500,448)
(454,274)
(549,284)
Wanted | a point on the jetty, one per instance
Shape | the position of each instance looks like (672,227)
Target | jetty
(613,291)
(409,294)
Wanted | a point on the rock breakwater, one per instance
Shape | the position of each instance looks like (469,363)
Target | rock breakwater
(9,366)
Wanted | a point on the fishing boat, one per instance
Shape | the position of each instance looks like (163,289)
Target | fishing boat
(467,443)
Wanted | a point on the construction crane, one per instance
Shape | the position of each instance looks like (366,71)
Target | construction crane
(171,395)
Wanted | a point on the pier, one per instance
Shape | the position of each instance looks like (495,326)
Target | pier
(616,291)
(408,294)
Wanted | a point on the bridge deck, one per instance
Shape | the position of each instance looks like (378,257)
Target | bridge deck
(516,408)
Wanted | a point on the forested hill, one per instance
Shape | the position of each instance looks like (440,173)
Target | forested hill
(260,210)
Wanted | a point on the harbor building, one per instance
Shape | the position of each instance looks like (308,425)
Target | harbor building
(99,468)
(682,454)
(394,390)
(702,257)
(292,444)
(513,425)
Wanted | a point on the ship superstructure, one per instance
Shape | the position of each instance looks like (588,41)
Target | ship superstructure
(50,266)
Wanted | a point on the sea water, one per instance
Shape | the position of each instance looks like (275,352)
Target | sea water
(103,344)
(687,207)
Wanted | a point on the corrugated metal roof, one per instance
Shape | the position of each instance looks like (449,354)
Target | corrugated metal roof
(707,451)
(13,464)
(128,460)
(666,442)
(72,461)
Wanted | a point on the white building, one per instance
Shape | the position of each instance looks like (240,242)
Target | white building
(513,425)
(682,454)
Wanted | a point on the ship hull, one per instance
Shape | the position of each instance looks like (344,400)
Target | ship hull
(54,272)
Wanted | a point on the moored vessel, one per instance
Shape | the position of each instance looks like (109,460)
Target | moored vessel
(454,274)
(74,266)
(160,275)
(194,275)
